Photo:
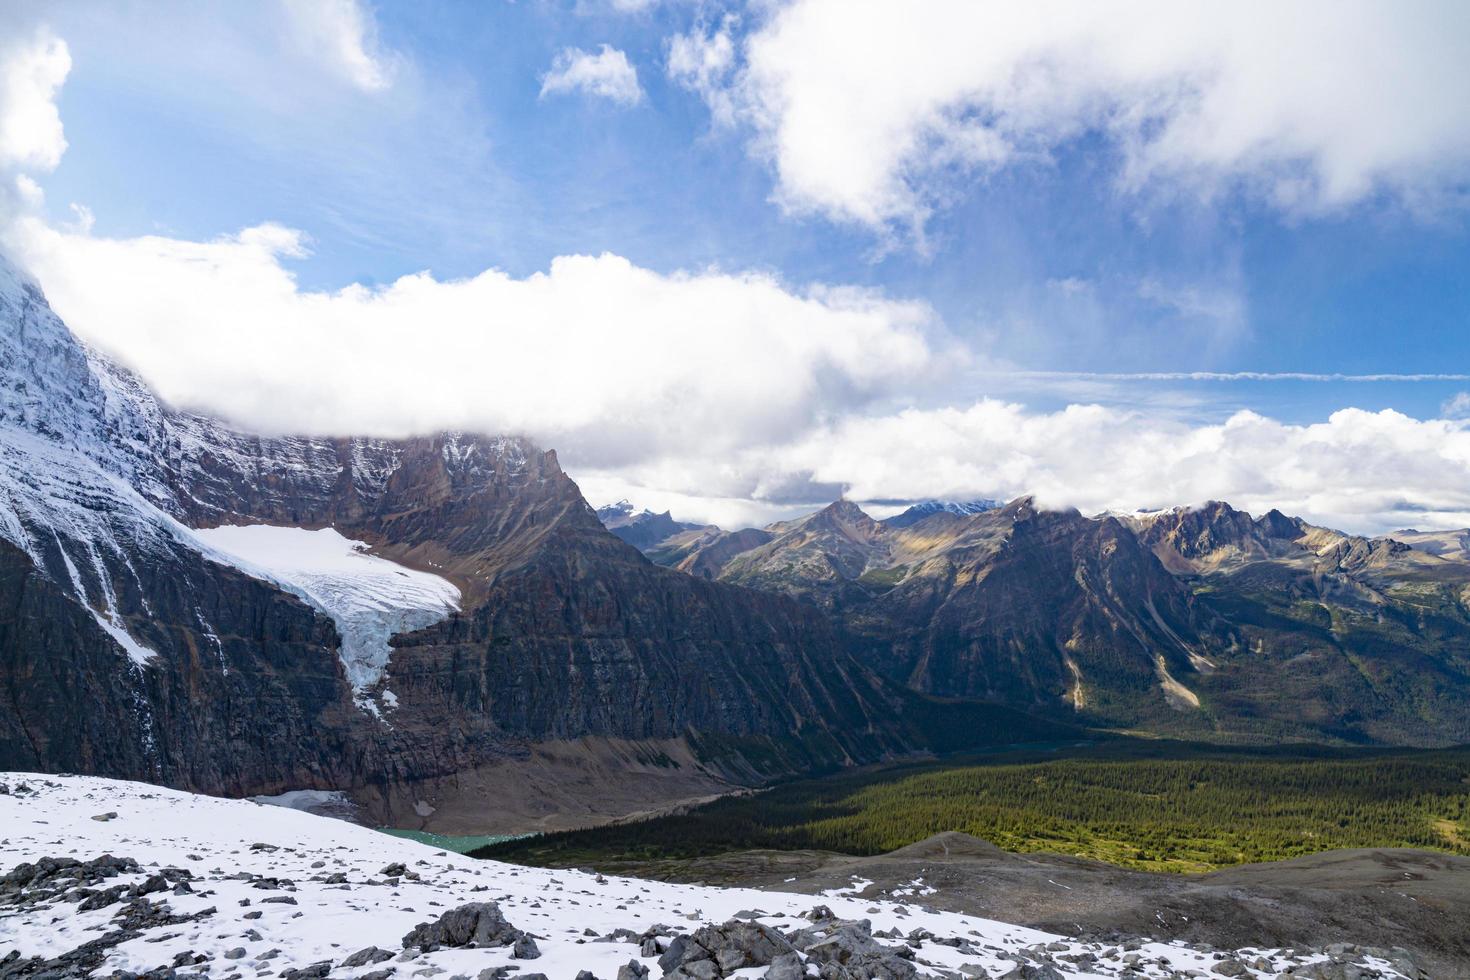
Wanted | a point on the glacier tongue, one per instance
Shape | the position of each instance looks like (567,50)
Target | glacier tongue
(369,598)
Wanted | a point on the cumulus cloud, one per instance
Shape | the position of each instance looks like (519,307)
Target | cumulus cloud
(345,36)
(32,69)
(1363,470)
(607,74)
(872,112)
(597,357)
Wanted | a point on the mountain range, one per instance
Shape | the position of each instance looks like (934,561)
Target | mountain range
(444,629)
(1198,621)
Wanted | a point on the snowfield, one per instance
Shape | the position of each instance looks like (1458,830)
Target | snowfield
(259,891)
(369,598)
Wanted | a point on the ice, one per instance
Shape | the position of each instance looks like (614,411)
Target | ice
(369,598)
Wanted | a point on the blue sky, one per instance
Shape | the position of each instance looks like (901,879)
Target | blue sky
(190,124)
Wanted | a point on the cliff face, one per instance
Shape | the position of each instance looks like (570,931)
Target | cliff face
(243,690)
(1038,607)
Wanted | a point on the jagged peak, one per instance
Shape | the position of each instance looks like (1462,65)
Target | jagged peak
(1020,508)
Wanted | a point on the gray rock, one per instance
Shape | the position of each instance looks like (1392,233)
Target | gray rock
(846,950)
(786,966)
(1031,971)
(632,970)
(525,948)
(363,957)
(476,924)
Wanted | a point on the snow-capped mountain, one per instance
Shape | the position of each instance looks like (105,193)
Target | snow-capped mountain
(643,529)
(963,508)
(206,886)
(188,603)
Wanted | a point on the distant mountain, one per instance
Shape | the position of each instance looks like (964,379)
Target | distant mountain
(643,529)
(1445,544)
(1202,620)
(925,508)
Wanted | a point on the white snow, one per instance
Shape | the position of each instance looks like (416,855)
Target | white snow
(915,889)
(369,598)
(212,838)
(308,800)
(856,888)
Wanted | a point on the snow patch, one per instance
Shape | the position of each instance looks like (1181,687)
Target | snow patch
(857,887)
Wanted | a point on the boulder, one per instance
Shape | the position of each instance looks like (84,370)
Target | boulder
(477,924)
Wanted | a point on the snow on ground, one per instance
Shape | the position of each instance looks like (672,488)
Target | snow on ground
(369,598)
(857,887)
(915,889)
(316,889)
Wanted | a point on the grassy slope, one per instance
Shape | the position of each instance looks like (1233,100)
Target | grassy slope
(1157,806)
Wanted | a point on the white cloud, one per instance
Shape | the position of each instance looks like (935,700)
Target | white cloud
(32,69)
(702,61)
(1363,471)
(873,112)
(345,36)
(607,74)
(603,360)
(1457,406)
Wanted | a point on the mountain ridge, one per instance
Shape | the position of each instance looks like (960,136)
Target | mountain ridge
(1138,619)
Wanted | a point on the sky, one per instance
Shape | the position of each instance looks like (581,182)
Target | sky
(735,260)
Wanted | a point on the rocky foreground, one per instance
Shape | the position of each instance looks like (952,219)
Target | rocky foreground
(113,878)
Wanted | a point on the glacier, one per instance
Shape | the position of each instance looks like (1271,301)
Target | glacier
(369,598)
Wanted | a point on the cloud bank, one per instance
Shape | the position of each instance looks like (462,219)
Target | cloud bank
(874,113)
(596,356)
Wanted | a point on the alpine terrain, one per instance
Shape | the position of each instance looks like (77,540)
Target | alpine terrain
(438,626)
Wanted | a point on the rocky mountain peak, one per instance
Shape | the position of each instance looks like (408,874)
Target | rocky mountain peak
(643,529)
(844,511)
